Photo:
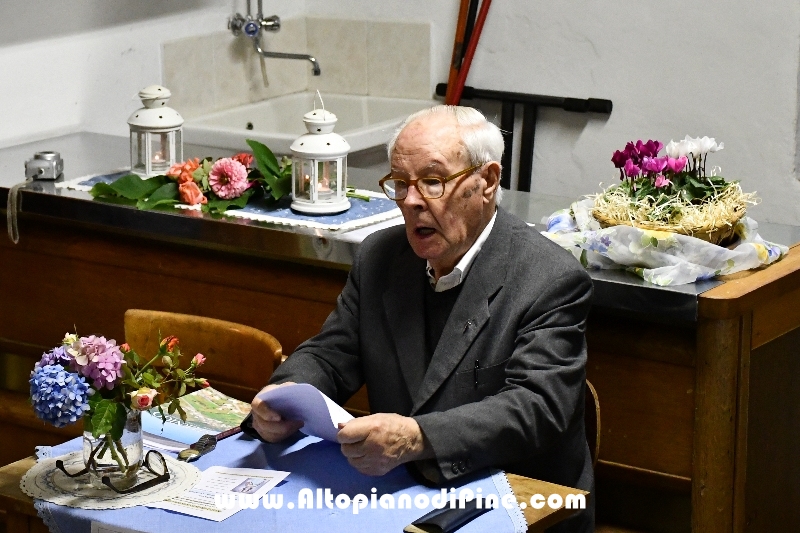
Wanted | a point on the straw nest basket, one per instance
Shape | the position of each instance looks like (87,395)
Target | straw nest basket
(713,221)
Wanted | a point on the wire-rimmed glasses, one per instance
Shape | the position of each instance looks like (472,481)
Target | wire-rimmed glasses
(430,187)
(154,462)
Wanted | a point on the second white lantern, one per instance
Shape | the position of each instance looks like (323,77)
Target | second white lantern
(319,165)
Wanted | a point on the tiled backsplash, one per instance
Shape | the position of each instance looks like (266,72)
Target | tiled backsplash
(218,71)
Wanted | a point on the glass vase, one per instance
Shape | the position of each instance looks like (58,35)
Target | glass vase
(119,459)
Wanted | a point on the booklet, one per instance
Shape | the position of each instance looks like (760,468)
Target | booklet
(321,415)
(222,492)
(208,412)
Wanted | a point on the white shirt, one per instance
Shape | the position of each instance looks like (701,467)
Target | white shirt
(454,278)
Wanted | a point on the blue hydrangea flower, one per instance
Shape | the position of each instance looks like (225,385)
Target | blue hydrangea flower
(56,356)
(58,396)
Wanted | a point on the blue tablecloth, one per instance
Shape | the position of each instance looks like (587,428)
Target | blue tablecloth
(313,464)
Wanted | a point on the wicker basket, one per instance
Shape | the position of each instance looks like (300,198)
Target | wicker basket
(722,233)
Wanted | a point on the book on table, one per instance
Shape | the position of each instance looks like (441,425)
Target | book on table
(208,412)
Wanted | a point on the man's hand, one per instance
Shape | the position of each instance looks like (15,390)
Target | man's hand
(377,443)
(268,423)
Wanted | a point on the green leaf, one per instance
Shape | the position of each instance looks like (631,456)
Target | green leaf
(353,194)
(102,189)
(116,200)
(218,205)
(131,187)
(166,194)
(181,412)
(265,160)
(182,390)
(106,419)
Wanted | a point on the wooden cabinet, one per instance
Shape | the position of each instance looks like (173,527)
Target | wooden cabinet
(703,410)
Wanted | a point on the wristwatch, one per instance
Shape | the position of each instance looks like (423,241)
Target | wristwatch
(204,444)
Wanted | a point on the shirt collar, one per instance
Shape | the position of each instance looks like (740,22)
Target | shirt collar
(454,278)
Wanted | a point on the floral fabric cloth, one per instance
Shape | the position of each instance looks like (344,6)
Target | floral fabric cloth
(660,257)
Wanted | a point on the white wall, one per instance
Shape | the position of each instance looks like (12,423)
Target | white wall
(77,65)
(672,68)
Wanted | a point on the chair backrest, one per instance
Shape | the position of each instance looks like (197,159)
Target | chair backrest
(239,359)
(592,421)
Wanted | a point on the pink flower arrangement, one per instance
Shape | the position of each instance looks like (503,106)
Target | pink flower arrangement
(640,160)
(228,178)
(213,186)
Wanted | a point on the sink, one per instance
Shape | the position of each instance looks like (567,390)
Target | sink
(365,121)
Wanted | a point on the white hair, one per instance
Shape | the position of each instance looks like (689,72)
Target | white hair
(481,139)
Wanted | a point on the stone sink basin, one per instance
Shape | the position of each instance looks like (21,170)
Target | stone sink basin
(365,121)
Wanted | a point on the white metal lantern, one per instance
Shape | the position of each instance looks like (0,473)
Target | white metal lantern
(319,165)
(156,140)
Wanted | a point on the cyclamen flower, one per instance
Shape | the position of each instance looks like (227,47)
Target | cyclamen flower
(631,170)
(100,360)
(619,158)
(661,181)
(676,165)
(704,145)
(654,164)
(56,356)
(228,178)
(58,397)
(650,148)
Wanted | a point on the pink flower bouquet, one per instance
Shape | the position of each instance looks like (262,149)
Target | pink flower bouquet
(672,192)
(215,186)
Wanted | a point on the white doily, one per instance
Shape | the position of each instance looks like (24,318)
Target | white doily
(45,482)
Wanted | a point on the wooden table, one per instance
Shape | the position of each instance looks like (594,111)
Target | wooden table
(21,516)
(707,410)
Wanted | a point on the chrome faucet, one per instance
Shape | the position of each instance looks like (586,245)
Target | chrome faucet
(254,26)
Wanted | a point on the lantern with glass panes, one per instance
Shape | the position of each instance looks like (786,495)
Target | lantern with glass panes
(156,141)
(319,165)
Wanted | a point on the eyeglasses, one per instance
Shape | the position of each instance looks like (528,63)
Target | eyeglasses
(430,187)
(154,462)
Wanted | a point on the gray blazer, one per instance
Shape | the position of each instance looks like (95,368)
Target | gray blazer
(520,315)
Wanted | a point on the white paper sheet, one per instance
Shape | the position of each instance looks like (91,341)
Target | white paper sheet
(320,415)
(200,501)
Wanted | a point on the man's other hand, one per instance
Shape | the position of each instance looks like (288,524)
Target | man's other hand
(377,443)
(268,423)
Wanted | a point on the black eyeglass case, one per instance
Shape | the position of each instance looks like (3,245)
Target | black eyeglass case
(445,520)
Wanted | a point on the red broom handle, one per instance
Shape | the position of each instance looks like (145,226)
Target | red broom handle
(458,50)
(473,44)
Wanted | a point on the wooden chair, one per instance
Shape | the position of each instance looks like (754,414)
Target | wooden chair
(239,359)
(592,421)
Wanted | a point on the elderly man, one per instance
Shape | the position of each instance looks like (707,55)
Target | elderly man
(466,325)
